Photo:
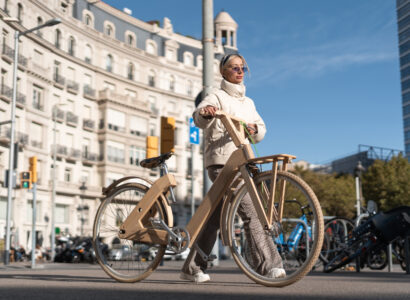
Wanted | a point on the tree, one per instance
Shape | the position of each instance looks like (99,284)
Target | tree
(388,183)
(336,193)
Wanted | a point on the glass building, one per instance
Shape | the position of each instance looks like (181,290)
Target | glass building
(403,20)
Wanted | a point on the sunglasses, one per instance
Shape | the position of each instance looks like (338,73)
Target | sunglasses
(237,69)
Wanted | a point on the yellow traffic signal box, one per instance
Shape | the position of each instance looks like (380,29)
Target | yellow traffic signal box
(167,134)
(152,146)
(33,168)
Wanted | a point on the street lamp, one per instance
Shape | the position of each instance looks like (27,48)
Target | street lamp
(53,196)
(17,35)
(358,174)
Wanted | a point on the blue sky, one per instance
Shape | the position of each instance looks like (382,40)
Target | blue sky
(324,74)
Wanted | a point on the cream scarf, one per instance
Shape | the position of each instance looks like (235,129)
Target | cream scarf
(234,90)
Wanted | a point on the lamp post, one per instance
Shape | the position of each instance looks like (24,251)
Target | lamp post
(17,35)
(53,196)
(358,174)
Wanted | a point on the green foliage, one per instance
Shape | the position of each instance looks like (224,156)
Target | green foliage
(388,183)
(336,193)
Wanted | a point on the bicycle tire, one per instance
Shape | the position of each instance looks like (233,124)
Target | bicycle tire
(336,234)
(125,260)
(377,259)
(295,269)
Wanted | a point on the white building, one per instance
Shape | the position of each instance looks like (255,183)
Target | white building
(104,79)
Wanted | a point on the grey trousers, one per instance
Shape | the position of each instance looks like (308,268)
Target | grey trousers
(263,253)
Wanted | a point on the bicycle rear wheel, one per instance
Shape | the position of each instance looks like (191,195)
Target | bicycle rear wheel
(336,235)
(298,239)
(122,259)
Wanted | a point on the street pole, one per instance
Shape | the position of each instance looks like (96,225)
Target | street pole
(192,182)
(33,230)
(11,152)
(53,196)
(208,79)
(17,35)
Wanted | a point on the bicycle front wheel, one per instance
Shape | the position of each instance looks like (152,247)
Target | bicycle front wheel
(122,259)
(295,243)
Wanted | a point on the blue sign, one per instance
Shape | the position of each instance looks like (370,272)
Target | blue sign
(193,132)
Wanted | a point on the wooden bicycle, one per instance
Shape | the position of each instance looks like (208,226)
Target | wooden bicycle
(134,227)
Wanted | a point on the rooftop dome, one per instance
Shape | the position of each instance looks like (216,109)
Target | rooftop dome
(225,18)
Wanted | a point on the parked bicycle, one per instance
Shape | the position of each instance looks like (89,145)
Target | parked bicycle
(137,212)
(369,240)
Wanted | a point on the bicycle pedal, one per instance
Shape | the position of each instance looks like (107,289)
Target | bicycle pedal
(211,257)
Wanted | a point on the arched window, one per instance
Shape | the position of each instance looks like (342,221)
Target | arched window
(130,71)
(71,46)
(20,12)
(88,20)
(188,59)
(109,30)
(189,88)
(151,47)
(151,78)
(57,39)
(39,22)
(130,40)
(109,63)
(88,54)
(172,83)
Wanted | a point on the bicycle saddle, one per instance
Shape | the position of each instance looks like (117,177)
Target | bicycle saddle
(154,162)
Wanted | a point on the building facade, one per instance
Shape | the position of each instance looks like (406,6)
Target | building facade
(102,79)
(403,19)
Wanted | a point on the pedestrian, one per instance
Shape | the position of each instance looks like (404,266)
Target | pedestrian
(230,97)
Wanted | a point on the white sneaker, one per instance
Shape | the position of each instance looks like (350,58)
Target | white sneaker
(276,273)
(199,277)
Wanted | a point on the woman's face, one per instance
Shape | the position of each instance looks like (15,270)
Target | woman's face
(233,71)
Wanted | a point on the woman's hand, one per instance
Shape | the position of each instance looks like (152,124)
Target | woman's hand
(208,112)
(252,128)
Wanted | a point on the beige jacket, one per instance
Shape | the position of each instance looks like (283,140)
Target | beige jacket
(231,99)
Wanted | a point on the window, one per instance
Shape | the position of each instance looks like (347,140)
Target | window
(88,20)
(38,98)
(68,174)
(71,46)
(57,38)
(130,40)
(136,155)
(57,71)
(39,23)
(115,152)
(20,13)
(116,120)
(88,54)
(189,88)
(138,126)
(172,83)
(151,78)
(188,59)
(36,135)
(109,63)
(151,47)
(130,71)
(109,30)
(62,213)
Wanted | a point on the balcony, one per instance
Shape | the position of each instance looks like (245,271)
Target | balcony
(59,81)
(60,150)
(89,157)
(128,100)
(89,92)
(7,54)
(116,128)
(71,119)
(5,135)
(88,124)
(20,99)
(6,93)
(58,114)
(36,144)
(72,87)
(73,154)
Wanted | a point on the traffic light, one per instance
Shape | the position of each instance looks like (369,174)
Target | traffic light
(152,146)
(25,180)
(33,168)
(167,134)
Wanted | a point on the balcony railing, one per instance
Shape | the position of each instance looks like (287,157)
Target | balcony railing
(36,144)
(5,135)
(88,91)
(74,153)
(6,92)
(71,118)
(60,149)
(88,124)
(72,85)
(59,79)
(116,127)
(9,52)
(20,98)
(58,114)
(89,156)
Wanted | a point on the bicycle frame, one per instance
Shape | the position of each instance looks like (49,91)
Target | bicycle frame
(133,226)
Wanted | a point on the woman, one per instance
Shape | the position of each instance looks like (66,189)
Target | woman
(218,148)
